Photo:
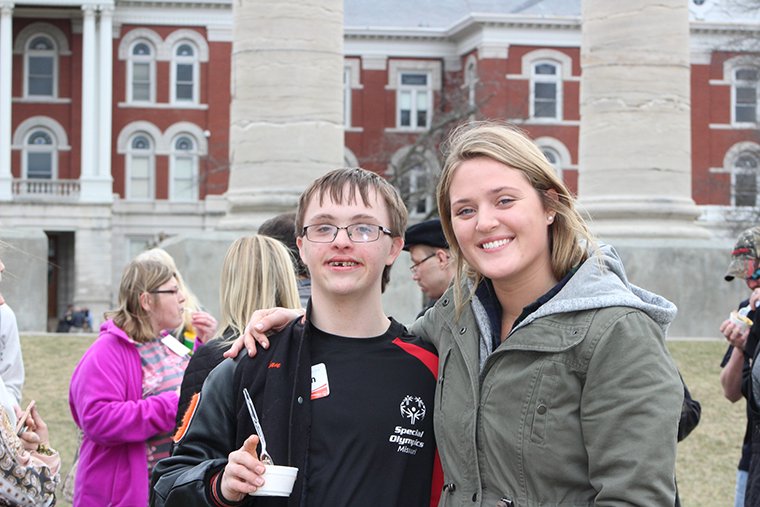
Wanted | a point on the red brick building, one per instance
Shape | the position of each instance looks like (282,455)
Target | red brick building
(114,116)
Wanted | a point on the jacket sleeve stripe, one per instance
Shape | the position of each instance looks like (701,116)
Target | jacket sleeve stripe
(428,358)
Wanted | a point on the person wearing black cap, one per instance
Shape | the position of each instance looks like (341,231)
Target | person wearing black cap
(743,340)
(431,268)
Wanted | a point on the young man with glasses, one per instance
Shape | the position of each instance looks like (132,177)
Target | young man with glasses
(432,266)
(344,394)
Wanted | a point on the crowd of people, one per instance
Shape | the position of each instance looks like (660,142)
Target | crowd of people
(75,319)
(537,374)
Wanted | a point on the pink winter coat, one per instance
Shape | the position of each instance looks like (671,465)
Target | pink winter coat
(106,401)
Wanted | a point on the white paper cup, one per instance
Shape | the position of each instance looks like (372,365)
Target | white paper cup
(278,481)
(736,320)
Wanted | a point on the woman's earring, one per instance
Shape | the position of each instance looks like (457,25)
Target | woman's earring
(550,217)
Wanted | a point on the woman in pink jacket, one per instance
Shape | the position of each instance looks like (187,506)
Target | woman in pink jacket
(124,393)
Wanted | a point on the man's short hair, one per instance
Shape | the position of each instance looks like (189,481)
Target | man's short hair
(283,228)
(428,233)
(744,258)
(333,185)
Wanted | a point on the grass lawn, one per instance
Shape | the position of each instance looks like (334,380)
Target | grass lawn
(707,460)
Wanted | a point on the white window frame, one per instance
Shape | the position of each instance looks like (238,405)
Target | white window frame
(558,149)
(555,79)
(557,163)
(185,60)
(193,156)
(430,168)
(735,171)
(738,83)
(48,148)
(150,154)
(471,79)
(51,53)
(347,89)
(151,61)
(414,90)
(143,241)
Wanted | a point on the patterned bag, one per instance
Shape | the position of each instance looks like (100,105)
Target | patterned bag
(27,479)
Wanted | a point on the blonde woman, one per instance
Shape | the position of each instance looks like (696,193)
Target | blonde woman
(198,326)
(123,393)
(258,273)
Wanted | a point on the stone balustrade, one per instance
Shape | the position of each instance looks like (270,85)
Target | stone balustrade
(32,189)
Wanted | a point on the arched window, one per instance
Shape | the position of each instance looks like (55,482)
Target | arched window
(184,169)
(141,70)
(40,155)
(471,79)
(744,93)
(41,67)
(745,179)
(140,167)
(185,73)
(546,90)
(414,174)
(554,159)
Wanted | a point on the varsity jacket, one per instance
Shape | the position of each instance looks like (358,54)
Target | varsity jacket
(220,423)
(204,359)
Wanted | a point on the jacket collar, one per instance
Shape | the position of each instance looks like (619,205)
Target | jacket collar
(108,327)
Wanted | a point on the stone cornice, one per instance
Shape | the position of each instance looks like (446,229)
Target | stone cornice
(463,26)
(174,4)
(394,33)
(725,28)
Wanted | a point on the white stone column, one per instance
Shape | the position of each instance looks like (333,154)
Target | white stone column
(286,115)
(91,186)
(89,121)
(6,89)
(105,102)
(635,135)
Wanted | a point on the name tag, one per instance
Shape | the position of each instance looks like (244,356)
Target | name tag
(175,346)
(320,387)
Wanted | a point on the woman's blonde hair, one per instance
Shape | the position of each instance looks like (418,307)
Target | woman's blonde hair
(162,256)
(139,277)
(511,147)
(257,274)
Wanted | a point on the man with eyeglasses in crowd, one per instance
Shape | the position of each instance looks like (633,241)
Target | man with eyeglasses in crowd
(343,393)
(432,267)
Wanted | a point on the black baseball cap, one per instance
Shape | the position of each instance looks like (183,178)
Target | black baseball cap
(429,232)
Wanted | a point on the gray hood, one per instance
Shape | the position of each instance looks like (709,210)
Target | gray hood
(592,287)
(595,285)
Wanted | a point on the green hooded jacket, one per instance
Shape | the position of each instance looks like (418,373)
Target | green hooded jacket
(579,406)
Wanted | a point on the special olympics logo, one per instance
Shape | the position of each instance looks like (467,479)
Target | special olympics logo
(413,408)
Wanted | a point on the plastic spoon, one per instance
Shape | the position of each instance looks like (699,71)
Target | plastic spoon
(265,457)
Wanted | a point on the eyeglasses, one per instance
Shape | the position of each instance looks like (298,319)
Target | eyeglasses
(416,265)
(166,291)
(357,233)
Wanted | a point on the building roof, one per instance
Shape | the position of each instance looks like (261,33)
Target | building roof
(445,13)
